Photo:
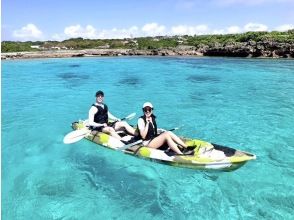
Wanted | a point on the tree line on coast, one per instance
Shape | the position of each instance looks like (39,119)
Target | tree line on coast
(150,43)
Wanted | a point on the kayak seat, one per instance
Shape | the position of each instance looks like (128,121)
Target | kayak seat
(121,133)
(188,151)
(164,147)
(227,151)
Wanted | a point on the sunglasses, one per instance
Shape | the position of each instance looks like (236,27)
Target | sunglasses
(147,109)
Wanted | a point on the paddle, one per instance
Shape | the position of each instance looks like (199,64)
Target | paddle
(140,141)
(129,117)
(78,135)
(173,129)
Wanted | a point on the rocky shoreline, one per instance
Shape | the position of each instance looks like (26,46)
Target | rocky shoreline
(248,49)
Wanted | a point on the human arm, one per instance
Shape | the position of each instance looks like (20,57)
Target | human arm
(93,110)
(112,117)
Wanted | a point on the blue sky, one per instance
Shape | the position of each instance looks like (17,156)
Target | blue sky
(62,19)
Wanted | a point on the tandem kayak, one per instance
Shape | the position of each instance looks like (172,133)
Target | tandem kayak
(205,155)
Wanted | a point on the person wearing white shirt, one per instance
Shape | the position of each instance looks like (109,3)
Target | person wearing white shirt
(99,115)
(148,132)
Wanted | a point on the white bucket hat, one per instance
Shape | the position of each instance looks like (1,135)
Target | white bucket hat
(147,104)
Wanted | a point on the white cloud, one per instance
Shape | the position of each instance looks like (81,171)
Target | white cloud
(119,33)
(30,31)
(153,29)
(250,2)
(233,29)
(180,30)
(203,29)
(189,30)
(89,32)
(78,31)
(255,27)
(58,37)
(218,31)
(285,27)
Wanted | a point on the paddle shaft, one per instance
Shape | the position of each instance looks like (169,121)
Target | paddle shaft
(129,117)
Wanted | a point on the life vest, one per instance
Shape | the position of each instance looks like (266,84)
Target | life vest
(102,114)
(152,131)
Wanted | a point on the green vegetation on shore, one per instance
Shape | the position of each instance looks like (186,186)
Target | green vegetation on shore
(145,43)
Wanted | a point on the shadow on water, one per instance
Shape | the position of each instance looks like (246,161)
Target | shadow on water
(203,79)
(210,176)
(202,63)
(73,79)
(60,187)
(205,94)
(130,81)
(74,65)
(72,76)
(279,160)
(125,185)
(197,96)
(49,63)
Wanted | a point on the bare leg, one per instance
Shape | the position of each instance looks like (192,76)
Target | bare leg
(177,139)
(111,131)
(163,138)
(123,124)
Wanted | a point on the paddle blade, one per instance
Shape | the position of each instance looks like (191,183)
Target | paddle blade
(75,136)
(131,116)
(174,129)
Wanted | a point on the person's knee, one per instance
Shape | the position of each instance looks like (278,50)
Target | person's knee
(109,129)
(167,134)
(120,124)
(124,124)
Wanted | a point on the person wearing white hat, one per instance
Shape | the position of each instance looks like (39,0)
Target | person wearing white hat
(98,118)
(148,131)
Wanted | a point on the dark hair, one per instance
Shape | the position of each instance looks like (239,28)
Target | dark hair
(99,93)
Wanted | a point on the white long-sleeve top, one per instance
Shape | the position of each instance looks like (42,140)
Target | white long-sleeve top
(93,110)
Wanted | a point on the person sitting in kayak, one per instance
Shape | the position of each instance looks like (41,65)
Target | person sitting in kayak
(148,132)
(98,118)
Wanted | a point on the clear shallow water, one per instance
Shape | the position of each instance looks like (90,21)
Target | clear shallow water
(244,103)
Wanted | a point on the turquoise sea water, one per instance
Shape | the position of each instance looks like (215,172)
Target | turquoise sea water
(243,103)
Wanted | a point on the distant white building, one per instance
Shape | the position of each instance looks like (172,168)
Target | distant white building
(35,46)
